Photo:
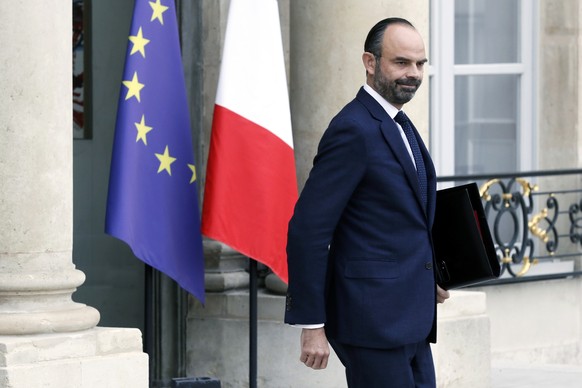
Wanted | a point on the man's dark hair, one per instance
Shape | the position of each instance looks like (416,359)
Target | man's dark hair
(373,43)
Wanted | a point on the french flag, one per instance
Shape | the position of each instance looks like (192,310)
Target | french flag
(251,184)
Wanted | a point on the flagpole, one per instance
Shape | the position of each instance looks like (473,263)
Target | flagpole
(253,324)
(149,317)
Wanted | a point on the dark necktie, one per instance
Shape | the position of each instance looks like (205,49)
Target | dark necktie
(406,125)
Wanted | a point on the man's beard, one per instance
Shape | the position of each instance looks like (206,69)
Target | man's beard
(391,90)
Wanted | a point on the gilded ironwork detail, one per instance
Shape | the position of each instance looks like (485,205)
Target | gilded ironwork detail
(507,207)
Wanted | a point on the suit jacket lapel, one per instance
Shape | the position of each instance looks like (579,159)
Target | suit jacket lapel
(395,142)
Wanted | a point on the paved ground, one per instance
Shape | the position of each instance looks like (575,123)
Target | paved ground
(516,375)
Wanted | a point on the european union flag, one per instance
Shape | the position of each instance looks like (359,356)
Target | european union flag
(153,195)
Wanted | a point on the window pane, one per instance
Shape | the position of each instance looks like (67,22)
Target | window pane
(486,31)
(486,118)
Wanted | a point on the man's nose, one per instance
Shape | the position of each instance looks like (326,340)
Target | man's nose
(414,72)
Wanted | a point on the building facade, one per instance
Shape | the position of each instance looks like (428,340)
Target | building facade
(502,95)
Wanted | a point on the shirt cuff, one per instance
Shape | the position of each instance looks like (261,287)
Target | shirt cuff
(311,326)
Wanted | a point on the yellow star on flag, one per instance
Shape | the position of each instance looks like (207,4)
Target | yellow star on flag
(142,130)
(158,11)
(133,87)
(139,43)
(165,161)
(193,168)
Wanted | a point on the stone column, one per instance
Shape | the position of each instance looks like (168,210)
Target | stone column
(46,339)
(37,275)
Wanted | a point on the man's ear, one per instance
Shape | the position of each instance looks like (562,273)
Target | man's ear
(369,61)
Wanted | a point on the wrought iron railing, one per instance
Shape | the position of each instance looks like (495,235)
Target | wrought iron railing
(535,220)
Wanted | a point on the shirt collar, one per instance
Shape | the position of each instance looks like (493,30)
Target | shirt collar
(389,108)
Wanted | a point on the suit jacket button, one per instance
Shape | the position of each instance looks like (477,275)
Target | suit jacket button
(428,266)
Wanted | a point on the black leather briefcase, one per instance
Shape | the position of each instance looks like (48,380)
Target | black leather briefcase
(464,250)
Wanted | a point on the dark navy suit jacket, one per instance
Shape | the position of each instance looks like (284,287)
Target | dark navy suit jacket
(359,248)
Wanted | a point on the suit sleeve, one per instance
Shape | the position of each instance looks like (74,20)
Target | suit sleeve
(338,168)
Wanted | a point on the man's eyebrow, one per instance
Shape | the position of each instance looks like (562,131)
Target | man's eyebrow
(422,61)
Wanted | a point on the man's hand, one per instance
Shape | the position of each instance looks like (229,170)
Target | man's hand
(442,295)
(314,348)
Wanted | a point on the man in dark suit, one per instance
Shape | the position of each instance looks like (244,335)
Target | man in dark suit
(360,253)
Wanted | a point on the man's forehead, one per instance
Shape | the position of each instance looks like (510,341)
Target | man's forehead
(402,40)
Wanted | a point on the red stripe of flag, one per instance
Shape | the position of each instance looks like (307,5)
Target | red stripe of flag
(250,190)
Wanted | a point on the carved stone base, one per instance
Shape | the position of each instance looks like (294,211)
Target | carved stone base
(223,281)
(225,267)
(36,294)
(274,284)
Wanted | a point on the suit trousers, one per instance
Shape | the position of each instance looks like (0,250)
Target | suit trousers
(408,366)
